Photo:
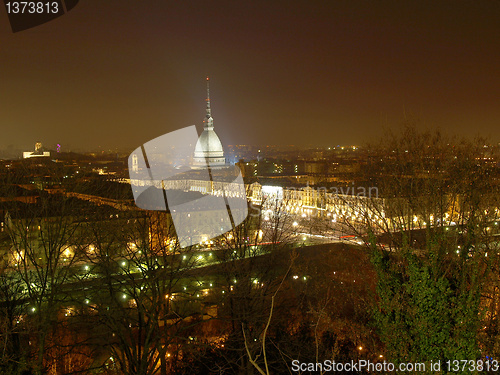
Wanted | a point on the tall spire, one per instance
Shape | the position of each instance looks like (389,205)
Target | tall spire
(209,112)
(208,121)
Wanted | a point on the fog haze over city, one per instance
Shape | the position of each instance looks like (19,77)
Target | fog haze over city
(334,207)
(115,74)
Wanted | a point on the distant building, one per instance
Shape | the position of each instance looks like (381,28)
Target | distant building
(208,150)
(40,151)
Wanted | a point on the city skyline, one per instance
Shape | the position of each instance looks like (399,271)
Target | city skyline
(116,74)
(336,202)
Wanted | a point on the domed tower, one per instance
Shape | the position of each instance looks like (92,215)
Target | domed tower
(208,150)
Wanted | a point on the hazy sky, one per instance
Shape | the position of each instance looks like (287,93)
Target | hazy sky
(116,73)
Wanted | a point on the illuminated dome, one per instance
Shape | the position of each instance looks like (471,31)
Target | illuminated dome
(209,146)
(208,150)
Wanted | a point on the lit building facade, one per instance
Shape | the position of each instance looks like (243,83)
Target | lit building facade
(39,152)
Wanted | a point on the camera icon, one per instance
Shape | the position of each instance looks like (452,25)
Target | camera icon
(204,201)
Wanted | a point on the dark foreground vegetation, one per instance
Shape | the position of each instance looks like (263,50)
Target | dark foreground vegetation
(92,286)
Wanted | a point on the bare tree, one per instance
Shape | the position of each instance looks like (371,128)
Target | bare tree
(430,242)
(41,261)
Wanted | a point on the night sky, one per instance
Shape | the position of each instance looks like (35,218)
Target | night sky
(117,73)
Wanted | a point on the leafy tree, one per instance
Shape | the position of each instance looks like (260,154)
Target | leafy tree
(431,243)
